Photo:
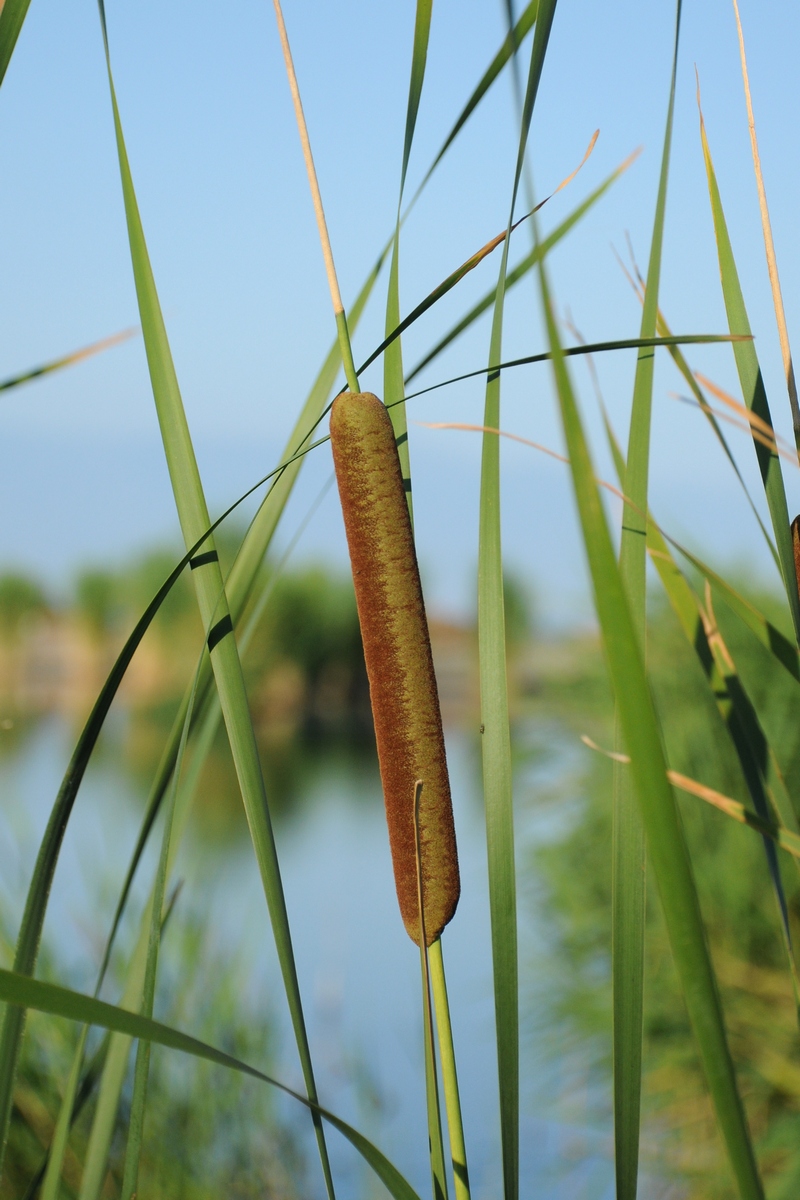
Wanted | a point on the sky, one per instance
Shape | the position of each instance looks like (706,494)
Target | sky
(226,211)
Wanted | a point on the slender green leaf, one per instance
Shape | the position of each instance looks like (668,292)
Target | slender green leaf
(665,841)
(577,351)
(22,991)
(753,389)
(115,1069)
(506,52)
(393,355)
(628,854)
(66,360)
(513,276)
(58,1147)
(207,576)
(12,16)
(731,698)
(496,738)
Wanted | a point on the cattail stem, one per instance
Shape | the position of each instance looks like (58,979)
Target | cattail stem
(447,1059)
(435,1141)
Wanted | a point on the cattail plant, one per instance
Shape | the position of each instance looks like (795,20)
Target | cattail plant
(397,650)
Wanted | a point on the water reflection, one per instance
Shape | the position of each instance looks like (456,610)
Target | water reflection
(358,970)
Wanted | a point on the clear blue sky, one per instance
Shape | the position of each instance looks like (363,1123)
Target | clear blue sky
(224,200)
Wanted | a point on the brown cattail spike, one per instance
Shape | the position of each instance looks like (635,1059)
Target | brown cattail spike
(397,650)
(796,548)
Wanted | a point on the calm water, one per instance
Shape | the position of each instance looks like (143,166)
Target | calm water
(359,972)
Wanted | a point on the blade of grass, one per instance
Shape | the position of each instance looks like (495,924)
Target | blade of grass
(522,268)
(397,327)
(666,846)
(52,1177)
(67,360)
(680,362)
(733,704)
(193,516)
(47,858)
(393,354)
(577,351)
(495,739)
(769,245)
(175,821)
(785,838)
(508,49)
(752,383)
(130,1178)
(628,853)
(115,1069)
(12,17)
(21,991)
(79,1091)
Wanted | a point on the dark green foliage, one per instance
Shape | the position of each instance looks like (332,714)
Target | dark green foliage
(20,598)
(743,928)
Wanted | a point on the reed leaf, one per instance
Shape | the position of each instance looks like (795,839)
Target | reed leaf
(393,355)
(193,516)
(12,17)
(665,841)
(67,360)
(752,385)
(628,855)
(495,732)
(22,991)
(519,272)
(698,623)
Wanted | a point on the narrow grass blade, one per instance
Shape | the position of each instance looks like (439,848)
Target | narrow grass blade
(447,1057)
(774,694)
(12,17)
(84,1091)
(768,634)
(112,1079)
(52,1176)
(67,360)
(193,516)
(769,245)
(784,838)
(393,355)
(577,351)
(30,933)
(752,384)
(666,846)
(21,991)
(516,273)
(506,52)
(698,623)
(628,854)
(495,732)
(680,362)
(130,1178)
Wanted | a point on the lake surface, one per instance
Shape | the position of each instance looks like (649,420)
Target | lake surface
(359,972)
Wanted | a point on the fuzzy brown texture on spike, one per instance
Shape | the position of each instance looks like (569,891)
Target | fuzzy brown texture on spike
(397,650)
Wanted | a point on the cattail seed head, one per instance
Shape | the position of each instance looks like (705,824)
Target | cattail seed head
(397,651)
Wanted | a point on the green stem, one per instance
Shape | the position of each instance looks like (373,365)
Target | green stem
(447,1057)
(347,352)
